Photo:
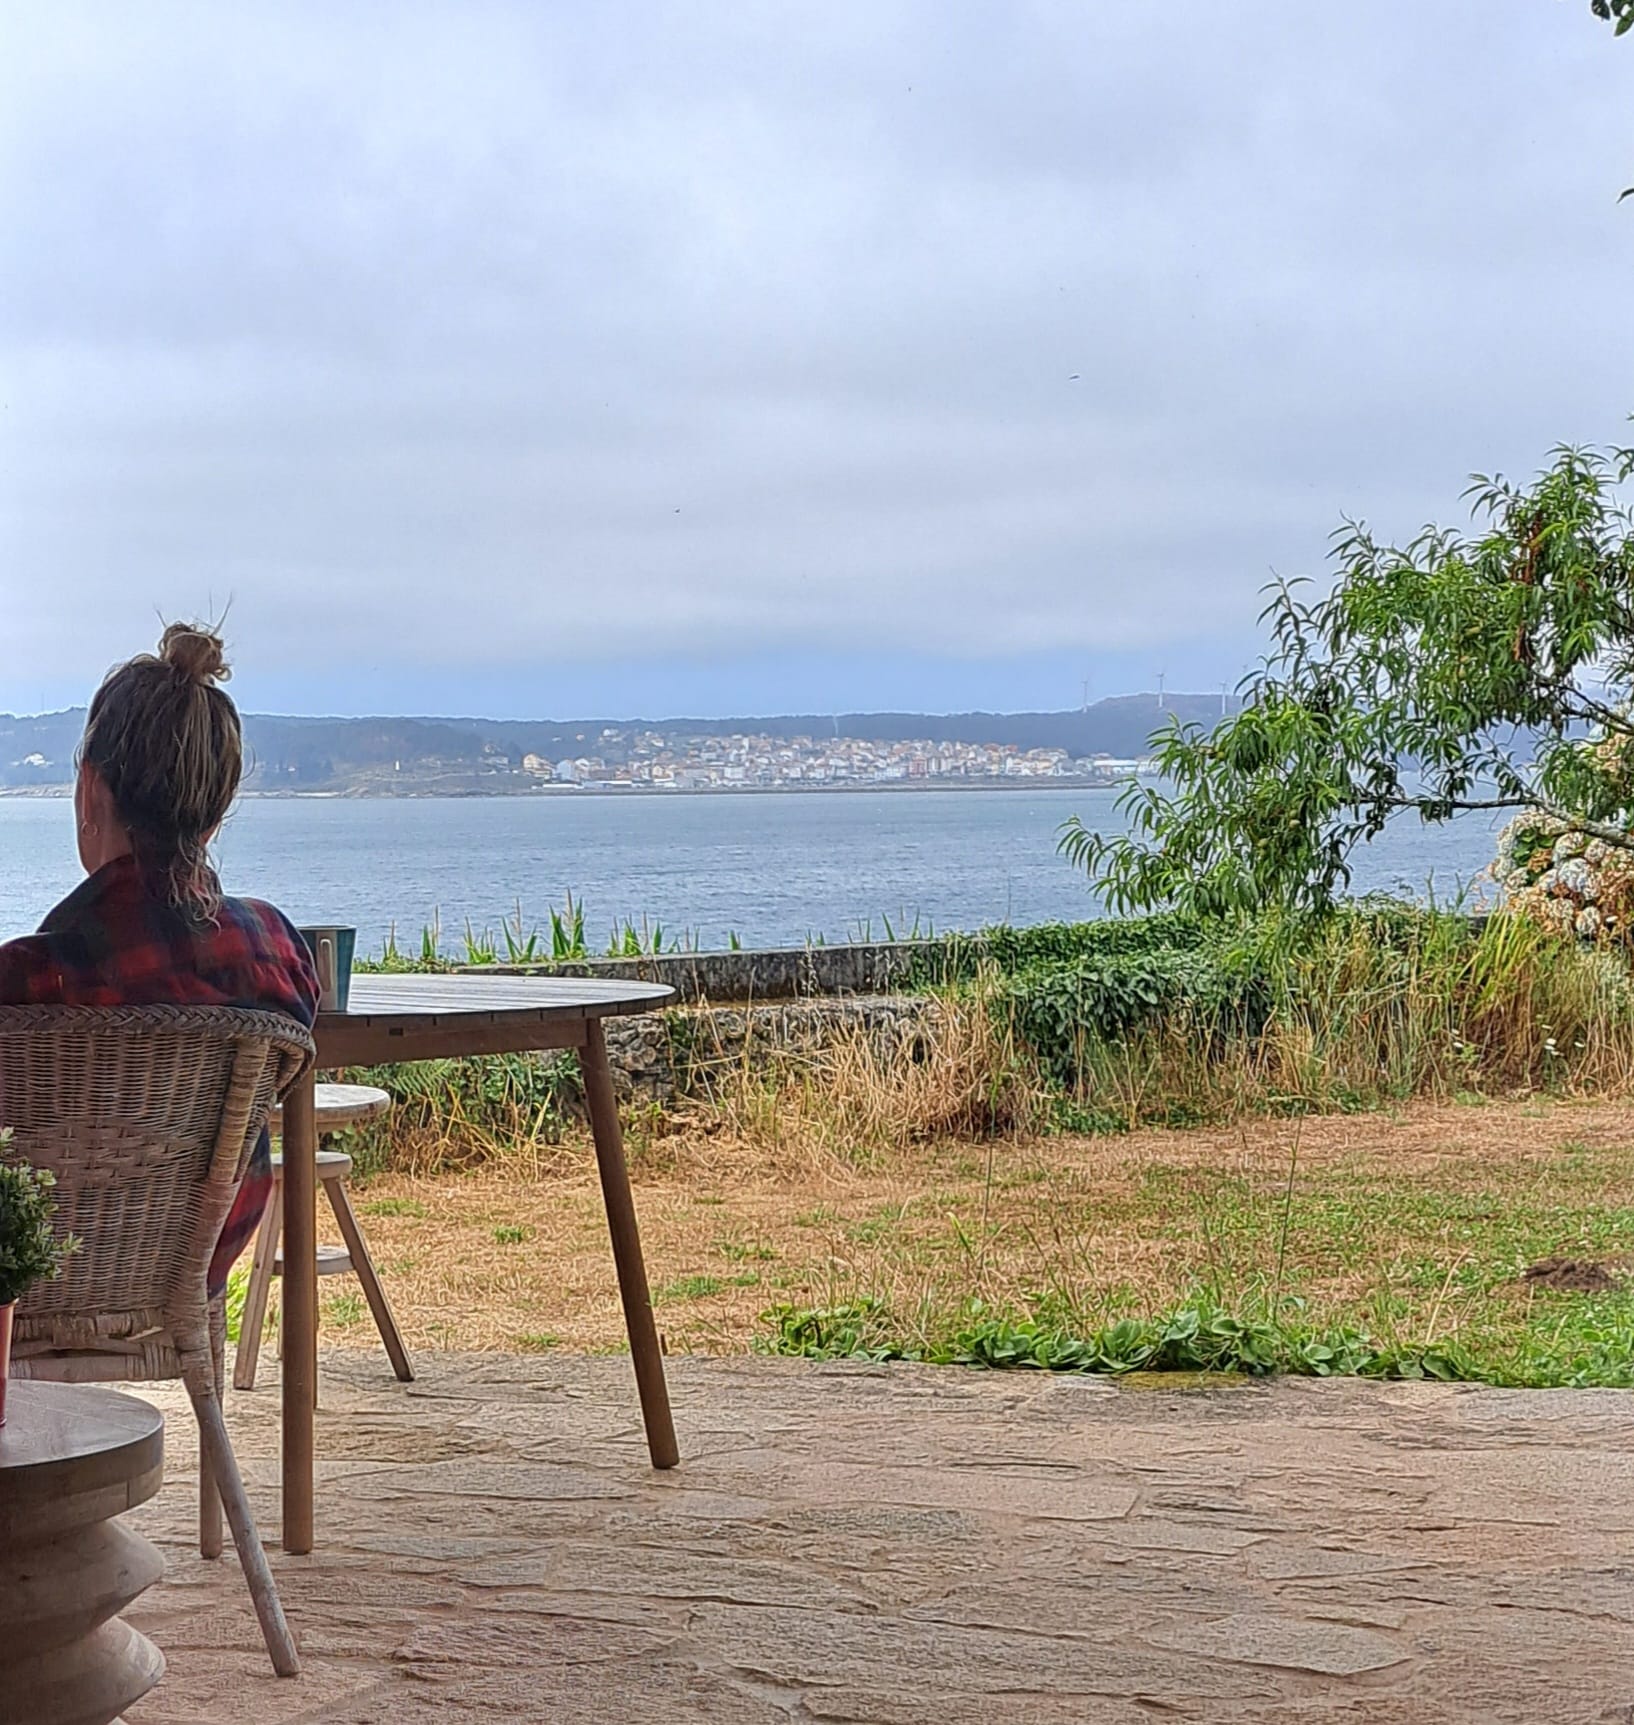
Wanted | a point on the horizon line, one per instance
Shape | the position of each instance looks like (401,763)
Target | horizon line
(1159,697)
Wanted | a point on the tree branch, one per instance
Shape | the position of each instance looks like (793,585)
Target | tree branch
(1590,709)
(1619,836)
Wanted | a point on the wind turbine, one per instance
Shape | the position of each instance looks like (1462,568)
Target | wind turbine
(1162,677)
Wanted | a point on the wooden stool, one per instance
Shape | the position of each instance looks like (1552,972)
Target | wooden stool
(71,1460)
(337,1105)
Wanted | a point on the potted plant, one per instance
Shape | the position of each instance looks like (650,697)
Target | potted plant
(30,1250)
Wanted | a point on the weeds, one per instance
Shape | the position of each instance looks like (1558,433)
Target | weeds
(1195,1336)
(343,1310)
(1414,1231)
(688,1288)
(510,1110)
(238,1287)
(536,1342)
(868,1092)
(1092,1028)
(411,1207)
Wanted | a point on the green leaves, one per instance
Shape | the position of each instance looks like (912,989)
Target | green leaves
(1199,1335)
(1451,673)
(30,1251)
(1063,1010)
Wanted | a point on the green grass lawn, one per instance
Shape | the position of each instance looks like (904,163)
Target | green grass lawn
(1344,1263)
(1396,1244)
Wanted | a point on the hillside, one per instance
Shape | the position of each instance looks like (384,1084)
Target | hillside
(429,756)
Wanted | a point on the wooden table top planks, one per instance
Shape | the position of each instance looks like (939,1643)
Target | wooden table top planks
(412,995)
(414,1017)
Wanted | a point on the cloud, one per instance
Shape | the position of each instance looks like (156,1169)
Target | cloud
(459,339)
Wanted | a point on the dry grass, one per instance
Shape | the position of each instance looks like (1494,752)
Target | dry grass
(1368,1212)
(861,1096)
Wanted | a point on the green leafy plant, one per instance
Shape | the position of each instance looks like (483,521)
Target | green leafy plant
(567,932)
(1453,673)
(393,959)
(480,948)
(238,1291)
(30,1248)
(520,947)
(632,941)
(1199,1335)
(238,1297)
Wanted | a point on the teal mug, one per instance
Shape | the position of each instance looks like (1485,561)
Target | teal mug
(332,950)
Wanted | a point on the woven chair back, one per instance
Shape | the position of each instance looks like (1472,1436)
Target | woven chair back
(147,1116)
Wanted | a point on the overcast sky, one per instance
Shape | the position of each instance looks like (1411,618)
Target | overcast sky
(541,359)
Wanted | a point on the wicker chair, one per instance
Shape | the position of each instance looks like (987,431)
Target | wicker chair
(147,1116)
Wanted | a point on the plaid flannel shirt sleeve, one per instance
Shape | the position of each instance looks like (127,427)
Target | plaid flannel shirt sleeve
(28,973)
(113,943)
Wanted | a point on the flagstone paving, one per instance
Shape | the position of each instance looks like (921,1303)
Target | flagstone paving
(907,1546)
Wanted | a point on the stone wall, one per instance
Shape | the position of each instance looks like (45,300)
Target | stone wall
(757,1006)
(689,1052)
(775,973)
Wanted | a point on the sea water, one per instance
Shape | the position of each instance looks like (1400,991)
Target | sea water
(769,868)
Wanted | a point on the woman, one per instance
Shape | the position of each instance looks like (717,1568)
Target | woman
(158,770)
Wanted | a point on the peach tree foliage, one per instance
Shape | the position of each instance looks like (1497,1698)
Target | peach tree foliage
(1486,671)
(1489,670)
(1620,12)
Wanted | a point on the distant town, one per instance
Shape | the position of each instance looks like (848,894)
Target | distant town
(288,755)
(655,761)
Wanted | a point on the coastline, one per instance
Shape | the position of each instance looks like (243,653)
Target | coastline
(542,792)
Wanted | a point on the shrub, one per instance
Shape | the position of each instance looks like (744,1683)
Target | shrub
(1375,1003)
(30,1250)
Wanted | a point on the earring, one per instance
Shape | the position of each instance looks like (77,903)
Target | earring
(89,829)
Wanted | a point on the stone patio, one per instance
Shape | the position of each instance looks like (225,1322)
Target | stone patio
(914,1547)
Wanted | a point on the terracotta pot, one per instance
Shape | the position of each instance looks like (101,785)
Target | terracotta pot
(6,1314)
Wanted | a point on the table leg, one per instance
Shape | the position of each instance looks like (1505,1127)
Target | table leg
(621,1224)
(300,1309)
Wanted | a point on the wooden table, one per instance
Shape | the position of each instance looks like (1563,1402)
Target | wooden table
(393,1019)
(71,1459)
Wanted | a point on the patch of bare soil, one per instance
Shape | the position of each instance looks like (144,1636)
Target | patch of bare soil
(1573,1276)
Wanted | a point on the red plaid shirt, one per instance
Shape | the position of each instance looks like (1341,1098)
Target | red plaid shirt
(117,940)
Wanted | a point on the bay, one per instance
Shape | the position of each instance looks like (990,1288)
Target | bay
(772,868)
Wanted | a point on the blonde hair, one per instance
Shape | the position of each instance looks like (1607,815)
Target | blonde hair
(165,739)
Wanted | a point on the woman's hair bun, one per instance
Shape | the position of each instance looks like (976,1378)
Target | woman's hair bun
(197,652)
